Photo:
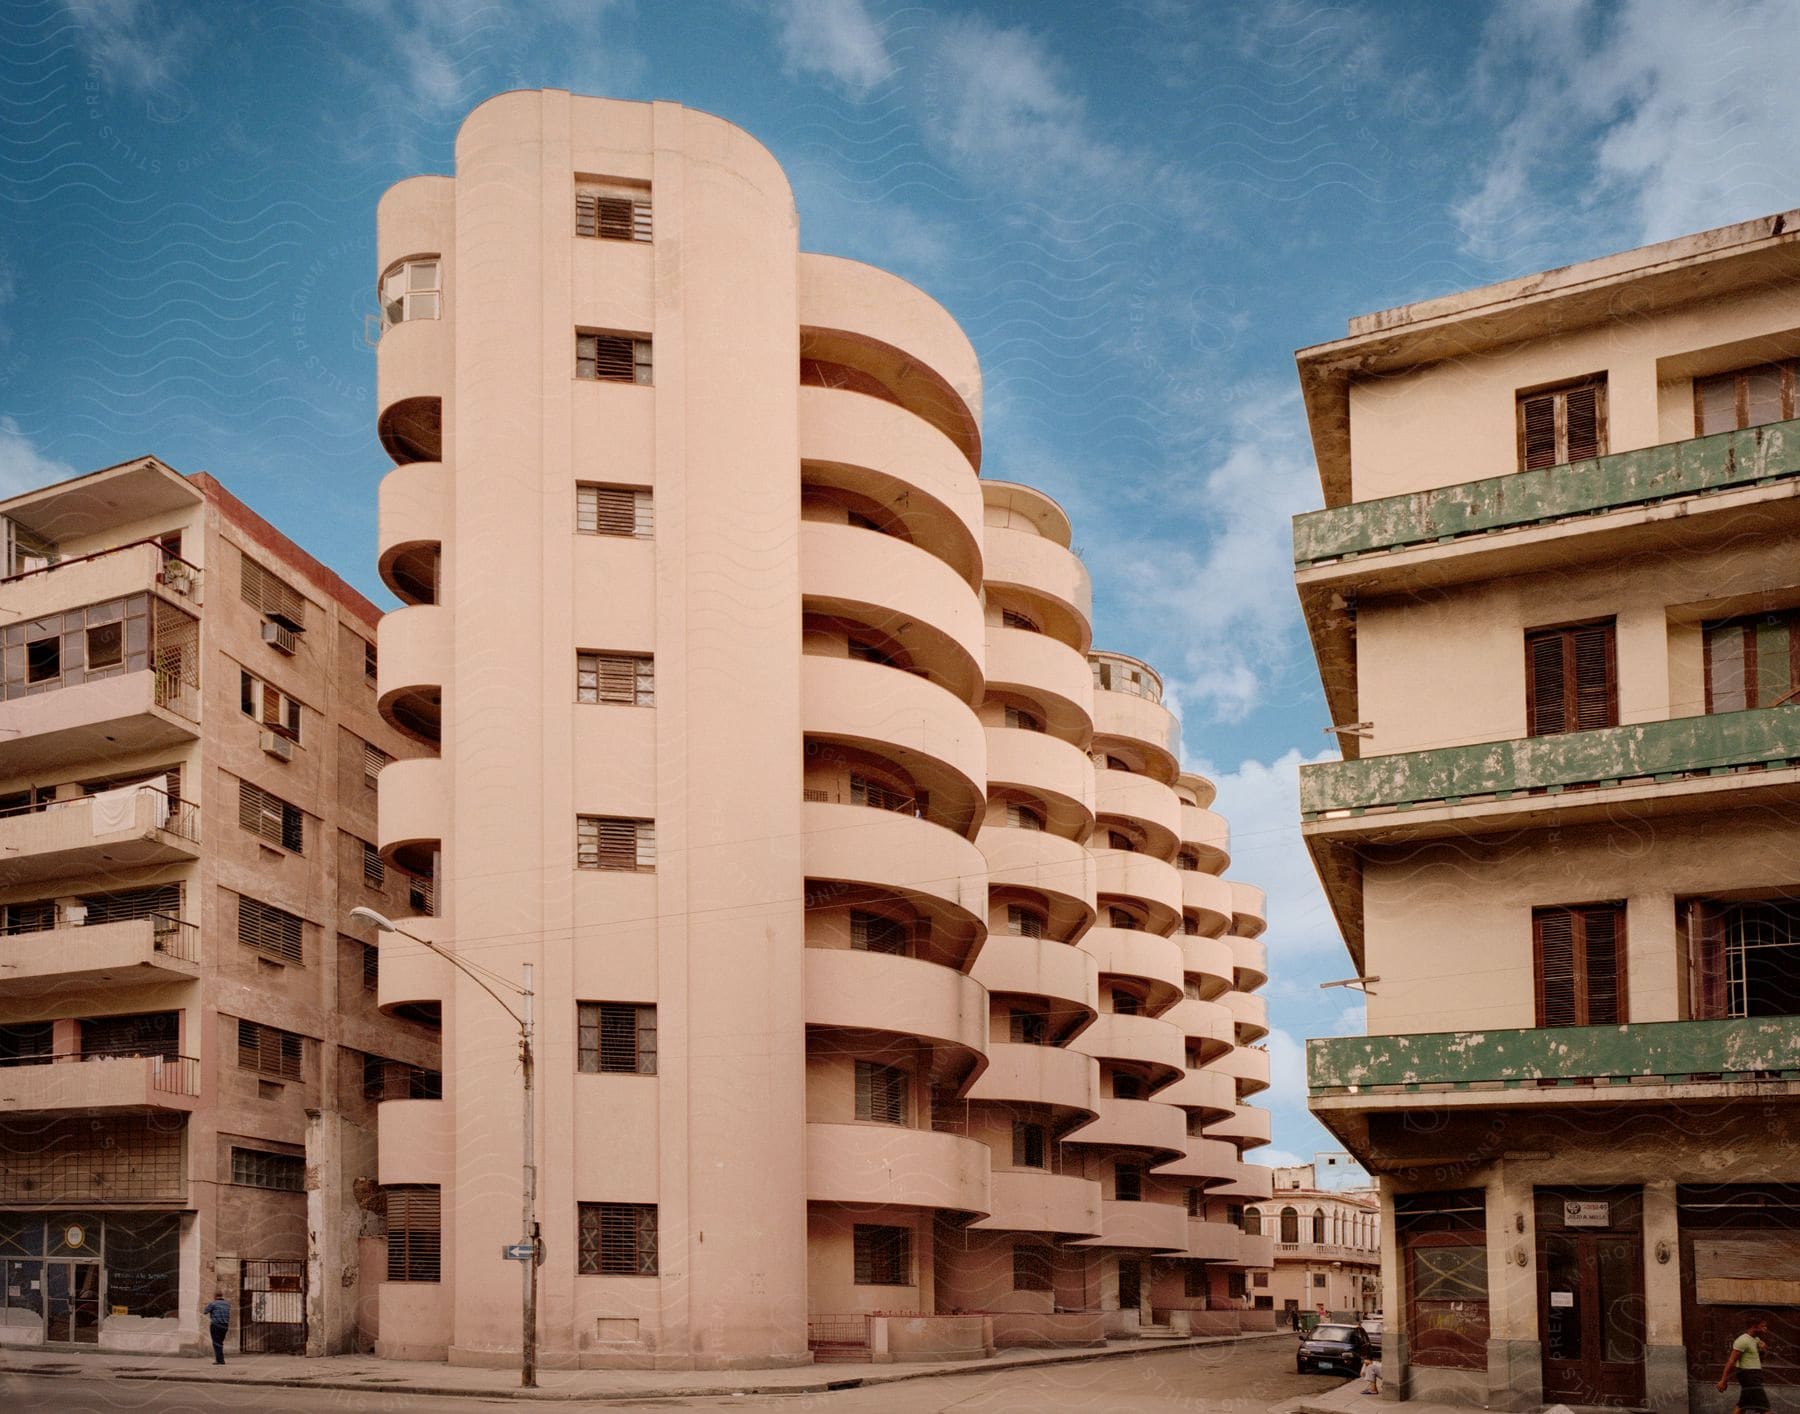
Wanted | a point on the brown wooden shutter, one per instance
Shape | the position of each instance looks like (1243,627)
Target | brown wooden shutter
(1603,966)
(1571,679)
(1560,425)
(1537,432)
(1582,413)
(1556,981)
(1704,924)
(1592,650)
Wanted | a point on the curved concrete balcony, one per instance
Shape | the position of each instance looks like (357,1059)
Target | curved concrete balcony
(413,374)
(1213,1241)
(1208,1160)
(1049,575)
(887,1165)
(414,645)
(1148,1227)
(1251,1013)
(1247,1067)
(410,973)
(1038,967)
(1143,1041)
(415,1141)
(1208,899)
(1196,790)
(1059,871)
(1209,963)
(878,995)
(934,368)
(940,873)
(414,519)
(1058,774)
(1139,957)
(1149,1125)
(1066,1082)
(912,722)
(1206,836)
(1149,726)
(412,811)
(1205,1094)
(1145,880)
(1208,1027)
(1249,910)
(1255,1183)
(1247,1128)
(1250,963)
(1146,802)
(415,216)
(1025,1201)
(1050,673)
(899,590)
(858,443)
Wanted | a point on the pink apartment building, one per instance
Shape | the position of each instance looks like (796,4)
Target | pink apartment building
(891,999)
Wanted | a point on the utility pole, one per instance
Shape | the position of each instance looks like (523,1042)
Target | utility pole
(530,1247)
(529,1237)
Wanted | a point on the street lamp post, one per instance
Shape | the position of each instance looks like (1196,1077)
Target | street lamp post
(528,1238)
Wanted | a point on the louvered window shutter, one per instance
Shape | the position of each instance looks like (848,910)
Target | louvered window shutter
(1572,680)
(614,510)
(1562,425)
(1592,650)
(1603,973)
(1580,965)
(1556,981)
(1582,423)
(1704,924)
(1545,699)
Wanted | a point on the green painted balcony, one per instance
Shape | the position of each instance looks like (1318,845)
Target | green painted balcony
(1722,462)
(1649,1054)
(1643,753)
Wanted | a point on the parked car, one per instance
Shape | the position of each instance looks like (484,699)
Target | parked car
(1371,1327)
(1330,1346)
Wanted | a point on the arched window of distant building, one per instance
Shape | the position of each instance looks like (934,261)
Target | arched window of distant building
(1290,1225)
(1252,1222)
(1318,1225)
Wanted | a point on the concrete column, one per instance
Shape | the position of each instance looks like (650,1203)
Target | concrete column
(323,1181)
(1515,1353)
(1665,1356)
(1396,1372)
(192,1298)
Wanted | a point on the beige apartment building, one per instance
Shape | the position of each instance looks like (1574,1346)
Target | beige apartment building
(191,1052)
(1554,597)
(891,999)
(1327,1247)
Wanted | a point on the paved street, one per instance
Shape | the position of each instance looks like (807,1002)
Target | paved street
(1243,1379)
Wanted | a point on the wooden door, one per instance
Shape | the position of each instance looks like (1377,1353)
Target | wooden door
(1591,1313)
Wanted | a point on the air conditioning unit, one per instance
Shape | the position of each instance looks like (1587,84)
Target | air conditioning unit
(276,745)
(73,915)
(279,637)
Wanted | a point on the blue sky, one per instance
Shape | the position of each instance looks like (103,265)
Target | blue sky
(1137,211)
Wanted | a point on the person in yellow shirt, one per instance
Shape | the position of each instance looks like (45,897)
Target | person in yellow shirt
(1746,1356)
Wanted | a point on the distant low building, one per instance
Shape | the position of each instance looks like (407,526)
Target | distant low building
(1327,1246)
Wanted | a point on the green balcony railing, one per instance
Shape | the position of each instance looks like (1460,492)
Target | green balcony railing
(1722,461)
(1648,1052)
(1658,751)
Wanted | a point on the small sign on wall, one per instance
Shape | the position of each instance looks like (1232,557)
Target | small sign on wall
(1562,1298)
(1577,1214)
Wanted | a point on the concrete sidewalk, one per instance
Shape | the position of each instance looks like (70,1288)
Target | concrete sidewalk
(360,1372)
(1349,1398)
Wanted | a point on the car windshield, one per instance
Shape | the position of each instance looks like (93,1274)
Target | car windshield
(1332,1333)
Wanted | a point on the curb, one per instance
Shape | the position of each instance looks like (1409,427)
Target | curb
(823,1386)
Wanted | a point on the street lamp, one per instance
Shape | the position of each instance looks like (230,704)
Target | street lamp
(528,1244)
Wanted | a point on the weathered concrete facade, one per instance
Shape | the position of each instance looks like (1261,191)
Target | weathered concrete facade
(190,1047)
(1555,599)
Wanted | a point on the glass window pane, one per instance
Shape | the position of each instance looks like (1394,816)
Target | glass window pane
(1725,661)
(1718,404)
(1763,400)
(423,275)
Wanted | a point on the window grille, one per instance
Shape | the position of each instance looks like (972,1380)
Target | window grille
(617,1239)
(374,761)
(603,842)
(881,1092)
(614,510)
(270,1051)
(1024,721)
(260,1169)
(36,916)
(612,218)
(616,1038)
(148,1033)
(271,818)
(374,871)
(882,1255)
(629,678)
(271,595)
(154,901)
(865,791)
(1024,922)
(1012,618)
(1023,817)
(876,932)
(1122,918)
(612,358)
(371,967)
(414,1232)
(270,930)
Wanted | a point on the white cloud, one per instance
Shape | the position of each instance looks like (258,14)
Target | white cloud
(134,42)
(22,466)
(1643,120)
(837,39)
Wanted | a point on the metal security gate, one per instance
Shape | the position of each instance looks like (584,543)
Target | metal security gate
(272,1307)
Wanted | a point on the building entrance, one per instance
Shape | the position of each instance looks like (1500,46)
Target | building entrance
(72,1302)
(1591,1295)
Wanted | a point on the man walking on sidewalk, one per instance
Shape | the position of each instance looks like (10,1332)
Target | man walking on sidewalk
(1746,1356)
(218,1314)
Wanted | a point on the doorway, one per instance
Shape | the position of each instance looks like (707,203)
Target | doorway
(1591,1298)
(1131,1282)
(71,1302)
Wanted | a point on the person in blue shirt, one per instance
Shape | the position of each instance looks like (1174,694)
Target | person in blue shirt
(218,1313)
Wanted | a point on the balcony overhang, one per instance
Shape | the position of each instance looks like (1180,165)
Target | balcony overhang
(101,500)
(1372,1091)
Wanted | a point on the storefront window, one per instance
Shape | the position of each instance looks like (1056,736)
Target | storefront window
(65,1277)
(1443,1244)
